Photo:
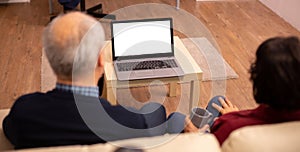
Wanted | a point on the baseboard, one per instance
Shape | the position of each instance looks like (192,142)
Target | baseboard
(14,1)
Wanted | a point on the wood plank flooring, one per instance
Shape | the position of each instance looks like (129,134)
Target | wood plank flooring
(238,27)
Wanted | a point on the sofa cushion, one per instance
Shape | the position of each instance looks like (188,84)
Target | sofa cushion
(187,142)
(176,143)
(4,143)
(267,138)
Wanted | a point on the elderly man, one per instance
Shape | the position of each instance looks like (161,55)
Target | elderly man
(73,113)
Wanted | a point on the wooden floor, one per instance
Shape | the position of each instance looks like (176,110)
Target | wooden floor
(238,27)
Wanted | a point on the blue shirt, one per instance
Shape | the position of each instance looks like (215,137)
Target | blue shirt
(86,91)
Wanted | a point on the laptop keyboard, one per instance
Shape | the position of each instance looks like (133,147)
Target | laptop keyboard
(147,65)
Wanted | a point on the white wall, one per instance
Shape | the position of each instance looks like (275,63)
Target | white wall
(289,10)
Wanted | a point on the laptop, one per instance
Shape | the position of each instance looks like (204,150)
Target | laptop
(143,49)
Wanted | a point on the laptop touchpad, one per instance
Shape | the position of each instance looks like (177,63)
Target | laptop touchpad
(144,73)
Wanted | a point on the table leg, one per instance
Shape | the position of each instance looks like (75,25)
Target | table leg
(104,91)
(111,95)
(194,94)
(172,92)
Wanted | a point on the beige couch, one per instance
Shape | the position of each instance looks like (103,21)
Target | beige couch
(267,138)
(283,137)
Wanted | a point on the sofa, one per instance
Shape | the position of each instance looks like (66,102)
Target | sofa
(265,138)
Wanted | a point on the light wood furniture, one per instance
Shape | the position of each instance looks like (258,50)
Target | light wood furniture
(193,75)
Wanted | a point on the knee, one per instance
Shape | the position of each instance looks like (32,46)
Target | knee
(216,98)
(176,123)
(152,107)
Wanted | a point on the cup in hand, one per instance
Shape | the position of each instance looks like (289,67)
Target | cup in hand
(200,117)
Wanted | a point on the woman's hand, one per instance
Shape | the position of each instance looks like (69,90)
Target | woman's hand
(227,106)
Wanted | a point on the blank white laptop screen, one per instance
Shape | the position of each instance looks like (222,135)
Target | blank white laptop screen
(141,38)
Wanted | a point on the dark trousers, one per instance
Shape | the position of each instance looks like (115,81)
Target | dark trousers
(69,4)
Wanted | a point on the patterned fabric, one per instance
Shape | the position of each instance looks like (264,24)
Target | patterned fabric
(86,91)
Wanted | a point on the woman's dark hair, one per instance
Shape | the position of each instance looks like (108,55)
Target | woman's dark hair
(276,73)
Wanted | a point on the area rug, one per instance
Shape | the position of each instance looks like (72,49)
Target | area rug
(209,59)
(213,65)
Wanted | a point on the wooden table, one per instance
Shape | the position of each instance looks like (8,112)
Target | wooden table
(192,75)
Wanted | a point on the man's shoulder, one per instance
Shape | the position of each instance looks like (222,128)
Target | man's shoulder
(34,100)
(40,96)
(30,96)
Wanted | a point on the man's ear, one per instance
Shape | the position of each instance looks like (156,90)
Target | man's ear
(100,62)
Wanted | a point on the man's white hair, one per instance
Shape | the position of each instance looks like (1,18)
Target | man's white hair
(72,43)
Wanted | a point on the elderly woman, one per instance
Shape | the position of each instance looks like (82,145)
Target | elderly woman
(276,88)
